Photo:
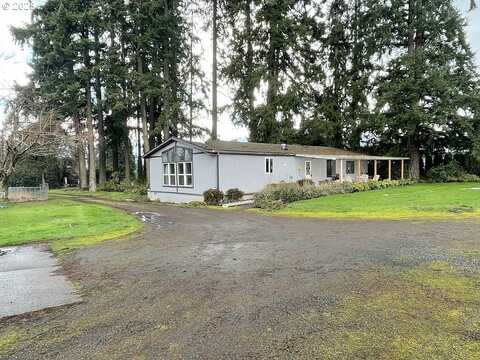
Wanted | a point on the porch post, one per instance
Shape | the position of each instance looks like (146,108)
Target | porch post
(359,169)
(389,169)
(375,168)
(401,171)
(341,170)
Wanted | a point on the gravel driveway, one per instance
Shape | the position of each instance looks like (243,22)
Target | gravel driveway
(207,284)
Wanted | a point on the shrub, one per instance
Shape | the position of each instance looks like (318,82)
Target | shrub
(123,186)
(276,196)
(213,197)
(451,172)
(303,182)
(233,195)
(266,200)
(443,173)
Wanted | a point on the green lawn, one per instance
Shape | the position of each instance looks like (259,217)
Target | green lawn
(453,200)
(106,195)
(64,223)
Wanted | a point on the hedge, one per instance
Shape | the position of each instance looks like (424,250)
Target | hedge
(276,196)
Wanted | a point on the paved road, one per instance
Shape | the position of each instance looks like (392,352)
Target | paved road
(29,281)
(203,284)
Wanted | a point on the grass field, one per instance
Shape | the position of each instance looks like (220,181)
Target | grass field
(64,223)
(106,195)
(453,200)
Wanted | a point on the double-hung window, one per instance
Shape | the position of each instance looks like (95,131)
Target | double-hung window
(178,167)
(184,172)
(169,174)
(268,165)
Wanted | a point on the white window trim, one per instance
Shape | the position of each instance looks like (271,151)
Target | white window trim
(168,175)
(308,176)
(268,166)
(185,174)
(177,176)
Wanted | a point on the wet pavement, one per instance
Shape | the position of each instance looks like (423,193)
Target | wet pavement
(30,281)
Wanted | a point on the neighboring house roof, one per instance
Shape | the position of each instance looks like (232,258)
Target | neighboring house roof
(236,147)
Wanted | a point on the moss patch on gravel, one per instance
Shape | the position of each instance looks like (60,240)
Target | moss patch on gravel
(9,339)
(428,312)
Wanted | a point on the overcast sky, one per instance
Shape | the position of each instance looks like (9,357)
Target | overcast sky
(14,60)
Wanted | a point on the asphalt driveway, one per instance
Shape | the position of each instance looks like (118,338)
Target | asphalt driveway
(206,284)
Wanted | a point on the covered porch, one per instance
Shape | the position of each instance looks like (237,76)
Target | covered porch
(369,168)
(361,168)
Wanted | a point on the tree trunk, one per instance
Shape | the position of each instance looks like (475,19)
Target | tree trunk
(214,71)
(139,150)
(273,85)
(102,158)
(143,111)
(115,159)
(414,154)
(80,152)
(92,173)
(4,186)
(252,121)
(127,161)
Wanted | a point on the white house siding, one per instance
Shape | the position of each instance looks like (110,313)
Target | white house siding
(204,178)
(319,169)
(247,172)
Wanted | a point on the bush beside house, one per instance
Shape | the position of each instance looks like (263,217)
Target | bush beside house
(276,196)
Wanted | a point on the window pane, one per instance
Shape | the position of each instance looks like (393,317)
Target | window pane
(189,168)
(172,169)
(165,168)
(172,180)
(267,165)
(165,179)
(271,166)
(181,180)
(189,180)
(181,169)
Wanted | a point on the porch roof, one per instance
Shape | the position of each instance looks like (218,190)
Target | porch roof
(353,156)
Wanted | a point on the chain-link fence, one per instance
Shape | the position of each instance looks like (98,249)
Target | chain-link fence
(19,194)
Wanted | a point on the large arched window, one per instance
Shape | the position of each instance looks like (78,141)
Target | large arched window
(178,167)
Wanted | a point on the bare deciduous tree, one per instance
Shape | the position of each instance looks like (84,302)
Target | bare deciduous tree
(29,129)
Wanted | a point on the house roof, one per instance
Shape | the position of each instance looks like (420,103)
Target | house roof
(236,147)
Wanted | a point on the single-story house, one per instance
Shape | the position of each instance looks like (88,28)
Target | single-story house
(180,171)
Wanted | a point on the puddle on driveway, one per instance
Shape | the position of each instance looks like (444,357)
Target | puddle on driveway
(154,218)
(29,281)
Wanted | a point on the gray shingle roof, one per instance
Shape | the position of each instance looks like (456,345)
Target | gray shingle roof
(236,147)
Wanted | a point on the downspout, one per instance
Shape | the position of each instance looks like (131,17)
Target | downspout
(176,165)
(218,171)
